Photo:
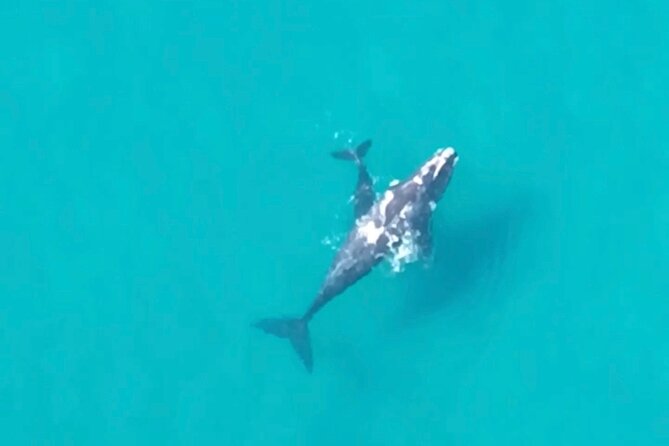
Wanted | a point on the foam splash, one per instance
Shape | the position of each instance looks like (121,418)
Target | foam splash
(406,252)
(332,241)
(344,138)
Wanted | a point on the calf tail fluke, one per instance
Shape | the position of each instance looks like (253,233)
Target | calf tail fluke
(354,155)
(296,331)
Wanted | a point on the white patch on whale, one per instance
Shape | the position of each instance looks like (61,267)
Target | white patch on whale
(387,198)
(438,161)
(406,209)
(438,166)
(370,231)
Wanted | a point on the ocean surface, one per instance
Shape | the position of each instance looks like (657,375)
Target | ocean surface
(165,181)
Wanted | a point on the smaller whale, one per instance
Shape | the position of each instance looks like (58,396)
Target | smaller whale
(382,228)
(363,197)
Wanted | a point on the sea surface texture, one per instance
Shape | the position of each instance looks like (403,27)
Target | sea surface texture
(166,180)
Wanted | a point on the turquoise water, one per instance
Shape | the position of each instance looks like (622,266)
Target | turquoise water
(166,181)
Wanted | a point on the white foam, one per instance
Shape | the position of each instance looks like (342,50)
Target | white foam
(406,252)
(332,241)
(392,239)
(394,182)
(433,205)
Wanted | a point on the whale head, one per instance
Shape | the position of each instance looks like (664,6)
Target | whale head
(435,174)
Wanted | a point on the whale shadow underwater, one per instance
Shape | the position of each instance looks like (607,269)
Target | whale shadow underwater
(469,253)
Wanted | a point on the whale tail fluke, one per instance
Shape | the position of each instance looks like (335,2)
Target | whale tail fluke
(354,155)
(296,331)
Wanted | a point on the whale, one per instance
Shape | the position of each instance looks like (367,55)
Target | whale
(392,224)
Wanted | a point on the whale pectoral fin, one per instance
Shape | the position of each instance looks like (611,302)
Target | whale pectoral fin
(425,246)
(424,241)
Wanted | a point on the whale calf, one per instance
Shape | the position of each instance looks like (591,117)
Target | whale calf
(383,227)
